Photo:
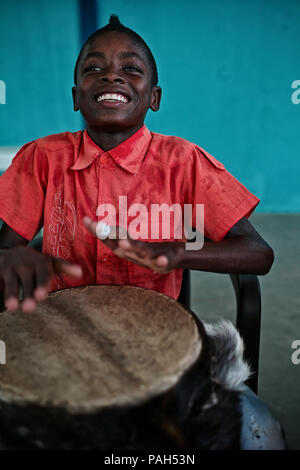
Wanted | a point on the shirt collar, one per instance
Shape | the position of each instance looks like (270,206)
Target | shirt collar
(129,154)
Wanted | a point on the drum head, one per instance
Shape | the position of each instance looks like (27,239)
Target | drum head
(88,348)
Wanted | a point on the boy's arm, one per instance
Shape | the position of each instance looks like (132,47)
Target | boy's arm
(10,239)
(243,250)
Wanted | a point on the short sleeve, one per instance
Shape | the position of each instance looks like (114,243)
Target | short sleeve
(225,199)
(22,191)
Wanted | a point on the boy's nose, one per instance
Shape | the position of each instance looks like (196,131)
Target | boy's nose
(111,77)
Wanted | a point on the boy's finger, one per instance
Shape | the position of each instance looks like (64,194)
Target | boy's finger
(41,293)
(43,274)
(11,290)
(28,305)
(61,266)
(124,244)
(99,229)
(102,232)
(135,261)
(161,261)
(90,225)
(135,247)
(27,278)
(12,303)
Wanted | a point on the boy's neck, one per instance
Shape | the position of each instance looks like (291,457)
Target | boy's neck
(108,140)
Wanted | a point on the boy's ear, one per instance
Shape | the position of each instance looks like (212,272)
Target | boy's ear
(155,98)
(74,94)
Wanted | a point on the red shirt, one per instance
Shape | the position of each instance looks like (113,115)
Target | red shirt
(55,181)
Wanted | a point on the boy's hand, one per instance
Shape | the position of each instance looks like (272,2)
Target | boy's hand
(27,268)
(161,257)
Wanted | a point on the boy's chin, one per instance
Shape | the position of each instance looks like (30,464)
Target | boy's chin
(112,125)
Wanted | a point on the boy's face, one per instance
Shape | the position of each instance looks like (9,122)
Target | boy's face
(114,65)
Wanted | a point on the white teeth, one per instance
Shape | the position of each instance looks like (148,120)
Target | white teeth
(112,96)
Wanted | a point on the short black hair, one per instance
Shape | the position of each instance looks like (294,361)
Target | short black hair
(115,25)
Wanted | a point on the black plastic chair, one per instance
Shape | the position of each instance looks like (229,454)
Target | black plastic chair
(248,315)
(260,430)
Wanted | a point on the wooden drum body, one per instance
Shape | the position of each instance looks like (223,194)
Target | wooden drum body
(104,367)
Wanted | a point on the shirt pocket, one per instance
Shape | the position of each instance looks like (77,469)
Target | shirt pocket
(212,159)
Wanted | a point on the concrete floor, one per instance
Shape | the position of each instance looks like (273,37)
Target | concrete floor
(213,298)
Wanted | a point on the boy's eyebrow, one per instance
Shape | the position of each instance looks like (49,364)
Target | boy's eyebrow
(122,55)
(125,55)
(94,54)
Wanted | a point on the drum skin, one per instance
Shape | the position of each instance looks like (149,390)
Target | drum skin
(108,367)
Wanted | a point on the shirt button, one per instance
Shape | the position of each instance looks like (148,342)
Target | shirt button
(106,259)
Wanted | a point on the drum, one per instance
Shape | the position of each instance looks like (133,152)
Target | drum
(102,367)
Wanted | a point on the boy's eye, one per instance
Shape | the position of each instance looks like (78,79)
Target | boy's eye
(133,68)
(92,68)
(98,68)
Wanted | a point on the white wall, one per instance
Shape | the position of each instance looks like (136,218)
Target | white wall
(6,156)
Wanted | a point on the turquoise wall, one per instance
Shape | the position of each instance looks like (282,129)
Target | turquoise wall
(225,66)
(39,41)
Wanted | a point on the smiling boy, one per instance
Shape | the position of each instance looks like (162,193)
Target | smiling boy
(60,181)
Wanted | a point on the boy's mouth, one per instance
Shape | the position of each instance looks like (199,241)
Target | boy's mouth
(111,98)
